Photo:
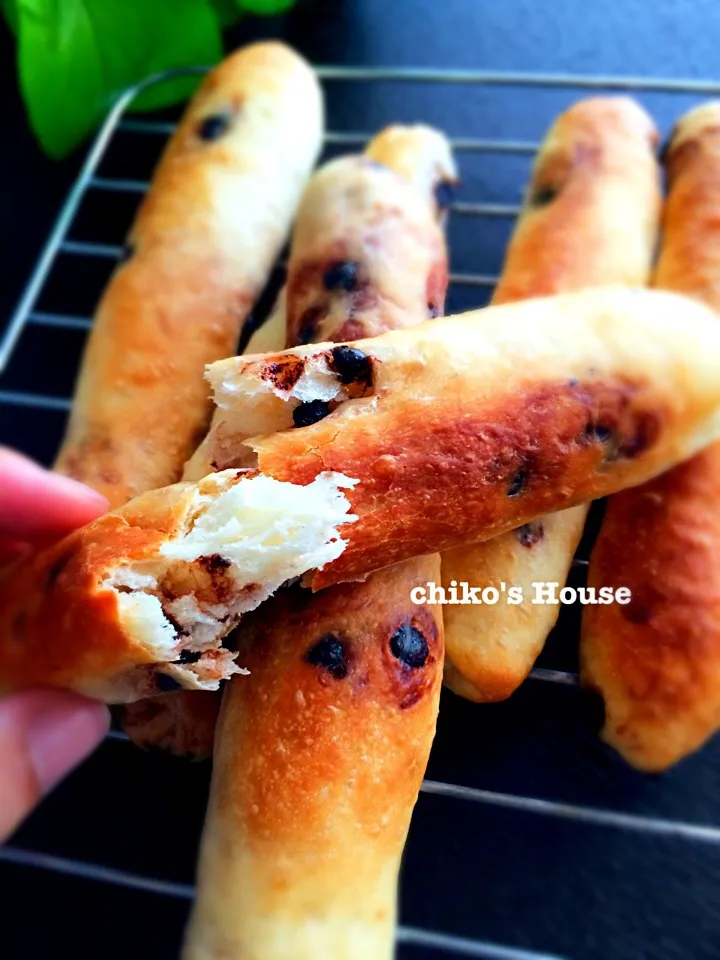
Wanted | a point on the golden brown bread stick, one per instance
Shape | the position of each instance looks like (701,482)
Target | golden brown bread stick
(469,426)
(318,762)
(217,213)
(656,660)
(590,218)
(354,670)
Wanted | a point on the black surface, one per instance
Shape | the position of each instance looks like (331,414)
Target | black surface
(587,892)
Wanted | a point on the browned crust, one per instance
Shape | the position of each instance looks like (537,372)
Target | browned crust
(656,661)
(194,271)
(591,217)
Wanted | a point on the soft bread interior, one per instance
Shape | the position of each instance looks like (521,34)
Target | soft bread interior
(254,400)
(271,391)
(241,538)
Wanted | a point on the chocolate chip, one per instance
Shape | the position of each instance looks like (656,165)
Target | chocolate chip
(342,275)
(409,646)
(166,684)
(329,653)
(214,126)
(598,431)
(444,194)
(126,253)
(530,533)
(543,196)
(517,483)
(308,413)
(351,365)
(188,656)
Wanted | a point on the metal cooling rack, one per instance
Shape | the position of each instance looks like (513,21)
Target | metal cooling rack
(27,316)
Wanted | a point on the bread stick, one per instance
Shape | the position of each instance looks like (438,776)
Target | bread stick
(466,427)
(354,672)
(656,660)
(204,240)
(318,760)
(590,218)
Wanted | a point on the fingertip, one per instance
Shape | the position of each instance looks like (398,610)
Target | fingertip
(38,505)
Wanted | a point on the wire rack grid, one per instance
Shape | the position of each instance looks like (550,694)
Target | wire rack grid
(63,245)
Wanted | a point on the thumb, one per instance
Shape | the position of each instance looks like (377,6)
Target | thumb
(43,735)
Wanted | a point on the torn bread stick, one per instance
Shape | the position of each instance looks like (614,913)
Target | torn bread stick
(440,447)
(141,600)
(464,427)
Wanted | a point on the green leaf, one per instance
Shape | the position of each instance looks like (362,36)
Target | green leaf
(228,12)
(9,8)
(77,56)
(266,8)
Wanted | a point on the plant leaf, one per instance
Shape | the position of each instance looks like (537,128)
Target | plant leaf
(228,12)
(266,8)
(77,56)
(9,8)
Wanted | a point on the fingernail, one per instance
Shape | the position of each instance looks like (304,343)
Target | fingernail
(60,732)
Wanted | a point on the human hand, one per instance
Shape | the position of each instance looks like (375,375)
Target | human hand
(43,733)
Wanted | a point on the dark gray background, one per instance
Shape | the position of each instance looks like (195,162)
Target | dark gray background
(581,890)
